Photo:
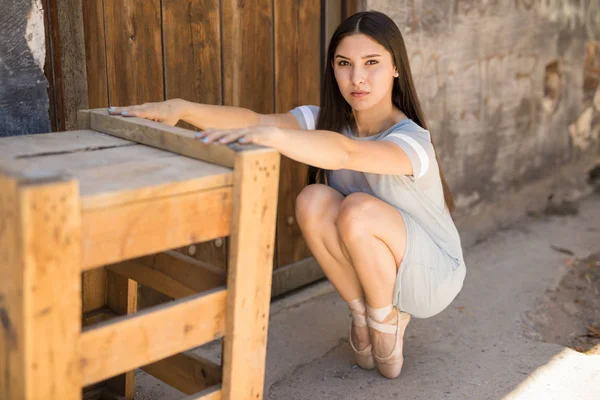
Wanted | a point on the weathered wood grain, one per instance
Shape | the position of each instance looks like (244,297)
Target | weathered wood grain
(134,51)
(39,243)
(297,82)
(186,372)
(248,54)
(128,342)
(249,274)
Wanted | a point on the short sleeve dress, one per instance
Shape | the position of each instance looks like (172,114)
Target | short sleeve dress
(432,270)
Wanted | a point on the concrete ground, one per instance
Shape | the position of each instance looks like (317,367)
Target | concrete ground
(481,347)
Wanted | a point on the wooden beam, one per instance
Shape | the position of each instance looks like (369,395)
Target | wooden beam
(171,138)
(137,229)
(97,316)
(68,64)
(186,372)
(249,274)
(214,393)
(171,273)
(129,342)
(122,300)
(40,288)
(93,287)
(295,275)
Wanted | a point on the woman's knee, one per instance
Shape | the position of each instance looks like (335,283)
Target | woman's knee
(314,203)
(354,218)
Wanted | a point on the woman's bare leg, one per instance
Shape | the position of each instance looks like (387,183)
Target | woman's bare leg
(317,209)
(374,234)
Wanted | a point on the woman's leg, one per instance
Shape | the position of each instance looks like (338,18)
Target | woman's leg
(317,209)
(374,234)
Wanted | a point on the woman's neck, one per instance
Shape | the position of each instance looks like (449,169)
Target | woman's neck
(376,119)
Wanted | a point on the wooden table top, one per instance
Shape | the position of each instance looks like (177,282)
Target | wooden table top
(110,170)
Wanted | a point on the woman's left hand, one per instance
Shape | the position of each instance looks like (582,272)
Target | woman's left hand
(260,135)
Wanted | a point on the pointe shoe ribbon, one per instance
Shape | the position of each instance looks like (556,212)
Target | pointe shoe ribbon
(364,358)
(390,366)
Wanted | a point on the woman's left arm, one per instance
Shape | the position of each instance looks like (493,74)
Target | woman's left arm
(322,149)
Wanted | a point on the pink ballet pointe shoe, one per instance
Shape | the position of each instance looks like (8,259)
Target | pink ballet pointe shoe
(364,358)
(390,365)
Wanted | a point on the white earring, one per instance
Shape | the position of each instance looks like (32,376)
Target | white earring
(396,75)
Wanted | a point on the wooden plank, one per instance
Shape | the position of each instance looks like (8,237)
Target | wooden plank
(248,54)
(171,138)
(214,393)
(96,316)
(192,42)
(128,342)
(134,181)
(213,252)
(72,51)
(171,273)
(134,51)
(186,372)
(141,228)
(249,274)
(122,300)
(93,288)
(95,51)
(41,288)
(297,79)
(111,170)
(28,146)
(296,275)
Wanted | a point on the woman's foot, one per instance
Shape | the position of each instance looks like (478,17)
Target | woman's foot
(359,335)
(387,326)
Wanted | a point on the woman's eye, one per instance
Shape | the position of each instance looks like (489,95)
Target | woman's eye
(342,63)
(374,62)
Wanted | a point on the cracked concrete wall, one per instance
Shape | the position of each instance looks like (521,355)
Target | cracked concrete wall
(509,87)
(24,99)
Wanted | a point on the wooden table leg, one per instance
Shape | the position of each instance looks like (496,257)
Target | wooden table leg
(256,176)
(122,299)
(40,290)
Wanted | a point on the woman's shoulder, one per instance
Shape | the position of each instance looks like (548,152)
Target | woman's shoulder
(409,128)
(307,116)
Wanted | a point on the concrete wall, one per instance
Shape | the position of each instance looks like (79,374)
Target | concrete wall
(509,87)
(23,87)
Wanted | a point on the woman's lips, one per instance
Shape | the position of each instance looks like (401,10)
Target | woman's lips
(359,94)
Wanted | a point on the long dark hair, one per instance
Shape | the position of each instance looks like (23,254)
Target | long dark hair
(336,114)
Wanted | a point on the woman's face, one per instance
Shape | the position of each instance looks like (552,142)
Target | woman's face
(364,71)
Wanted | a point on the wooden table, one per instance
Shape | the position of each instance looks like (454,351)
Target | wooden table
(115,197)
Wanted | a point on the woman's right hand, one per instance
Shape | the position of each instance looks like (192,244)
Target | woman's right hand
(168,112)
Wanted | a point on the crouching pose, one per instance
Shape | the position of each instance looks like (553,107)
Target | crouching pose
(376,212)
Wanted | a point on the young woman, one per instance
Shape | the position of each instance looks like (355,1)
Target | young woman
(376,212)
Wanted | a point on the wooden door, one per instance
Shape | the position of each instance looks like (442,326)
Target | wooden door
(263,55)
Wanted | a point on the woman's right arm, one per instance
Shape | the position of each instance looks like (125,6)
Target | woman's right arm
(205,116)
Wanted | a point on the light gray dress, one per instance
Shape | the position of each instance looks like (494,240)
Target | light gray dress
(432,270)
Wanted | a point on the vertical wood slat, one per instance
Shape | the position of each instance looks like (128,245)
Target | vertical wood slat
(67,73)
(95,53)
(93,290)
(297,79)
(39,243)
(248,54)
(134,51)
(122,299)
(192,43)
(249,274)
